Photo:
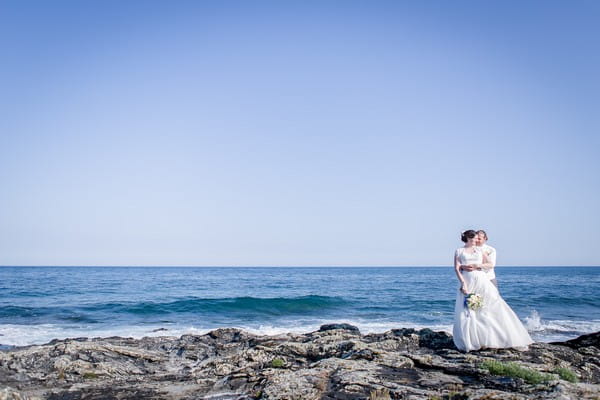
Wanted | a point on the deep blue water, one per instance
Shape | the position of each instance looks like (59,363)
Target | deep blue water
(38,304)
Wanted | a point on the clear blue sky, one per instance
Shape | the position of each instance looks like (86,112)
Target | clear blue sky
(298,133)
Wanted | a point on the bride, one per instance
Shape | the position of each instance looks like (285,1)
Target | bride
(489,322)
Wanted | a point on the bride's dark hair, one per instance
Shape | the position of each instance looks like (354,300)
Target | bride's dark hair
(466,235)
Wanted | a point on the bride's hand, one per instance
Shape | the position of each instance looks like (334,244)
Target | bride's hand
(463,288)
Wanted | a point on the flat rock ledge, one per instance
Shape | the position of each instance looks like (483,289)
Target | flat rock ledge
(336,362)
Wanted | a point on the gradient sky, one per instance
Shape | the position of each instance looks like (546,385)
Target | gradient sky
(298,133)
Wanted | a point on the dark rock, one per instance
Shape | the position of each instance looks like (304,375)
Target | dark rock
(592,339)
(404,331)
(347,327)
(435,340)
(226,335)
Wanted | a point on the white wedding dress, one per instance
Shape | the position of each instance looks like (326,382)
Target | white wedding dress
(494,325)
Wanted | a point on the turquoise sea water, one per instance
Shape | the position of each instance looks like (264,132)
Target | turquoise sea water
(38,304)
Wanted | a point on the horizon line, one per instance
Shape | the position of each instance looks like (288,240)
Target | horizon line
(283,266)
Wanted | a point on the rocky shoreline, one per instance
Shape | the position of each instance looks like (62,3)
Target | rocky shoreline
(336,362)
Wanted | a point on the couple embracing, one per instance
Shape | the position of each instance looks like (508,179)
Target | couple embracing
(482,319)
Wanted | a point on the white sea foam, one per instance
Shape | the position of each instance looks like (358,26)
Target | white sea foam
(363,326)
(23,335)
(556,330)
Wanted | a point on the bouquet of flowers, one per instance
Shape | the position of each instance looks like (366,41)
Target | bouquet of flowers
(473,301)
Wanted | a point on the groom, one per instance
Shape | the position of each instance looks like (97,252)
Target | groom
(490,253)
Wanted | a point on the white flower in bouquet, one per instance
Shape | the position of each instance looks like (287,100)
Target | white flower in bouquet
(474,301)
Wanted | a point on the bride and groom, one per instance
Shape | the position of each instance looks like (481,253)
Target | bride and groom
(482,319)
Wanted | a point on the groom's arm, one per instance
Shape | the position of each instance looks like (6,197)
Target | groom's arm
(489,260)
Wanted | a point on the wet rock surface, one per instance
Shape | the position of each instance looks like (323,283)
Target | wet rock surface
(336,362)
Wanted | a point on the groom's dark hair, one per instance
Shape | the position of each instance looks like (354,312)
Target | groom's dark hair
(483,232)
(466,235)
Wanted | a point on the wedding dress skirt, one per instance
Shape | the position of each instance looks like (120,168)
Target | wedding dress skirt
(494,325)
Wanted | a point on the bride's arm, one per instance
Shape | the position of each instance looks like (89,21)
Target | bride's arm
(463,284)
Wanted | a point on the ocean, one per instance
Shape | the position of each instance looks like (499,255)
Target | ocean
(38,304)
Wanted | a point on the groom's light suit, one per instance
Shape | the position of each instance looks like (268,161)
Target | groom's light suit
(490,253)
